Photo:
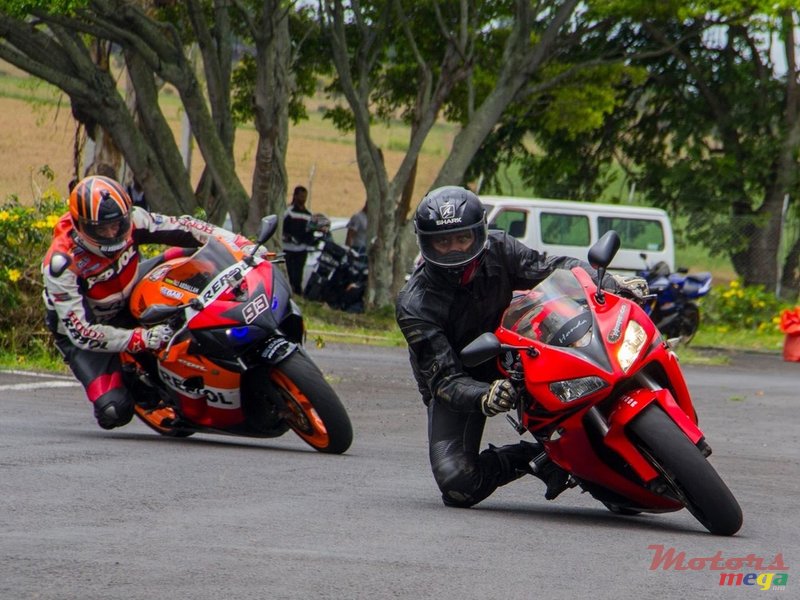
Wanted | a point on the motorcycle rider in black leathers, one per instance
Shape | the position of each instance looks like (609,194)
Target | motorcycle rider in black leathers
(458,292)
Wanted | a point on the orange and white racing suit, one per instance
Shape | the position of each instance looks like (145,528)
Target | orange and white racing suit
(86,298)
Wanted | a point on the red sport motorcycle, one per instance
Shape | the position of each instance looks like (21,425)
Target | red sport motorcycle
(235,364)
(604,395)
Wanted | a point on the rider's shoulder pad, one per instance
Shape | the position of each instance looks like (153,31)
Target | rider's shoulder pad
(59,263)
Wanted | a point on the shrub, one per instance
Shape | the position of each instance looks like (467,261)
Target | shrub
(742,307)
(25,234)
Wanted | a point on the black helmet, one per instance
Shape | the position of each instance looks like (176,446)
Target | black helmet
(441,216)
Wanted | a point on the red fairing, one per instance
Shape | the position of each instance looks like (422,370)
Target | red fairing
(608,352)
(222,311)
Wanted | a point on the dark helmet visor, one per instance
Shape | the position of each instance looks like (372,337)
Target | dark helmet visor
(453,247)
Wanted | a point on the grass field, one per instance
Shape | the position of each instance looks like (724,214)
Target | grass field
(38,130)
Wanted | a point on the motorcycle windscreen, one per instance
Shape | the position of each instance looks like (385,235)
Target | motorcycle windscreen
(555,312)
(210,260)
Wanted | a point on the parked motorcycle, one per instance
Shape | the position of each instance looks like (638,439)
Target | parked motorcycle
(672,304)
(236,363)
(339,278)
(604,394)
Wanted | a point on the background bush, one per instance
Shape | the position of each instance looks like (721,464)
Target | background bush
(25,235)
(742,307)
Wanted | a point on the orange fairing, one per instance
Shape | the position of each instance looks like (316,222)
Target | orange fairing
(215,399)
(178,280)
(169,283)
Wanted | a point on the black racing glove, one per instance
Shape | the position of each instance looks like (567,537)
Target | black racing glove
(631,287)
(501,397)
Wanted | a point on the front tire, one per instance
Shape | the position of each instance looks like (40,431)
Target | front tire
(314,411)
(687,472)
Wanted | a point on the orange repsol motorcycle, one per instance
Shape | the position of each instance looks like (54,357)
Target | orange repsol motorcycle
(235,364)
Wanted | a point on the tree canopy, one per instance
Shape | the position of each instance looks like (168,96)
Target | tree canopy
(695,103)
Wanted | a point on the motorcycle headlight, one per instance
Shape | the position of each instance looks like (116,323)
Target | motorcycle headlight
(246,334)
(632,344)
(570,390)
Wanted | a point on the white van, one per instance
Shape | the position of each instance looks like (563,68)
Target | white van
(567,228)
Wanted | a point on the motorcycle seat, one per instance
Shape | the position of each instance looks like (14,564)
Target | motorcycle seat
(699,277)
(697,285)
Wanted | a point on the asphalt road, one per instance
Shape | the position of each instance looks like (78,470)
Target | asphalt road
(88,514)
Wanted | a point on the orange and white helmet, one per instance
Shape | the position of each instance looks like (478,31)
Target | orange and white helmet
(101,213)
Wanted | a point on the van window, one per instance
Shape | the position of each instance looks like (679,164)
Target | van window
(635,234)
(513,222)
(564,230)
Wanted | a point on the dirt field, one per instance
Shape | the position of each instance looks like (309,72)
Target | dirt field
(37,135)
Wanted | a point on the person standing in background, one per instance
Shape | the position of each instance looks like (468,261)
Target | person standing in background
(298,237)
(357,231)
(136,192)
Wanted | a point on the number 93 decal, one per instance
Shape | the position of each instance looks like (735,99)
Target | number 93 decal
(255,307)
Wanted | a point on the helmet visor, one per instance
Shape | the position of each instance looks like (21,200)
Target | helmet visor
(108,233)
(453,247)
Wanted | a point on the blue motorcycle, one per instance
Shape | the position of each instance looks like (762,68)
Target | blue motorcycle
(672,302)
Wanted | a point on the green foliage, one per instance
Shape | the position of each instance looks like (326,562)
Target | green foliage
(21,8)
(309,63)
(25,234)
(742,307)
(556,138)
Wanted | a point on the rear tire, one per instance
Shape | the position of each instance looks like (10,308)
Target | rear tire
(315,412)
(688,323)
(687,472)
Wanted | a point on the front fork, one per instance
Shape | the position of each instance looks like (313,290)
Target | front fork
(629,406)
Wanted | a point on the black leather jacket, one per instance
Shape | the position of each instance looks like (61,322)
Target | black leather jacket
(438,317)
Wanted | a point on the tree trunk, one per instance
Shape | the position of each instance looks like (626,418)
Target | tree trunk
(273,84)
(790,278)
(758,263)
(164,179)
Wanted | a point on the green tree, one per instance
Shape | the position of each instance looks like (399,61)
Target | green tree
(53,41)
(712,131)
(419,59)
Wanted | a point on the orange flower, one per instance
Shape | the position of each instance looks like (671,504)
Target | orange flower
(790,321)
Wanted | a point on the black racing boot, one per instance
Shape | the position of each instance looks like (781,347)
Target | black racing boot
(530,458)
(515,460)
(555,478)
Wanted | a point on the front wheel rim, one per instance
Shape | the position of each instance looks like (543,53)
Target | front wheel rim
(300,414)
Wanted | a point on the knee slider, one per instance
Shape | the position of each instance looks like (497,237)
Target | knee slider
(113,409)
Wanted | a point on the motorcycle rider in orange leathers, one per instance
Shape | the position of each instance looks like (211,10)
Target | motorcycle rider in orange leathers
(89,272)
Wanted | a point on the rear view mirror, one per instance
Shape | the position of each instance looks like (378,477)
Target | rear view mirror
(268,226)
(600,256)
(603,251)
(483,348)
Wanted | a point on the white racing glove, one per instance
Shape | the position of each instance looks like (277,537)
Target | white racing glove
(262,251)
(501,397)
(154,338)
(633,287)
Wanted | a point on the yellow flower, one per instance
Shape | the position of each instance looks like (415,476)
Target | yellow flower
(14,275)
(52,220)
(735,284)
(4,215)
